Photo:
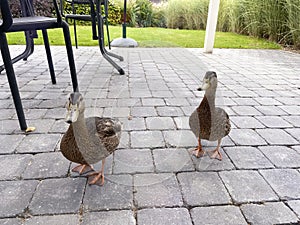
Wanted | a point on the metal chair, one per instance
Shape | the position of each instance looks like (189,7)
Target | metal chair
(31,23)
(97,20)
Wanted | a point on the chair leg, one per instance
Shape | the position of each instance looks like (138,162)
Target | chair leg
(27,52)
(102,46)
(68,43)
(49,57)
(12,80)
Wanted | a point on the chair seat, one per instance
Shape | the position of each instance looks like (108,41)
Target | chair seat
(79,17)
(33,23)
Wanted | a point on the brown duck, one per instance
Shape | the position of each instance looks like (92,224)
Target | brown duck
(208,121)
(88,140)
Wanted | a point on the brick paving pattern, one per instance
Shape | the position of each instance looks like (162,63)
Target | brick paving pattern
(152,177)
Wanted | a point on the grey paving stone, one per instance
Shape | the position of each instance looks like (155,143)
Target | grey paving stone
(295,206)
(11,142)
(267,101)
(216,215)
(35,143)
(8,126)
(247,186)
(12,166)
(246,137)
(203,188)
(69,219)
(177,102)
(207,164)
(172,160)
(281,156)
(182,123)
(109,218)
(45,165)
(56,113)
(295,132)
(42,126)
(133,161)
(285,182)
(156,190)
(294,120)
(169,111)
(248,158)
(11,221)
(162,94)
(246,122)
(143,111)
(160,123)
(180,138)
(133,124)
(245,101)
(153,102)
(125,140)
(277,137)
(15,196)
(164,216)
(116,193)
(270,110)
(246,110)
(58,196)
(277,213)
(273,121)
(146,139)
(291,109)
(59,126)
(116,112)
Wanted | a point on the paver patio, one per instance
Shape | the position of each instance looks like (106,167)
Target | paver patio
(152,178)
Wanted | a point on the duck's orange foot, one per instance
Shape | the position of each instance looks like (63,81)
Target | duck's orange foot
(216,154)
(96,178)
(198,152)
(82,168)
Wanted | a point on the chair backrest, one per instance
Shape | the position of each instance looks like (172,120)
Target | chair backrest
(6,15)
(7,19)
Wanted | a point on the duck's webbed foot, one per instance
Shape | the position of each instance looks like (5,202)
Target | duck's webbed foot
(96,178)
(199,152)
(82,168)
(216,154)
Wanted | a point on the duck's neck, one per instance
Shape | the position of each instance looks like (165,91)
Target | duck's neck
(210,96)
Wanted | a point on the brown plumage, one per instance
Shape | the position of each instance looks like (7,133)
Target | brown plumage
(88,140)
(207,121)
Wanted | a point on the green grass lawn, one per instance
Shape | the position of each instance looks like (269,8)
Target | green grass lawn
(155,37)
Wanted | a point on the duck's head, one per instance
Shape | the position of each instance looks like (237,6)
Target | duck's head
(210,81)
(75,106)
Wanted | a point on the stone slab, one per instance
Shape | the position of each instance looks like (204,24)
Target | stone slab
(172,160)
(216,215)
(69,219)
(248,158)
(46,165)
(247,186)
(295,206)
(203,188)
(156,190)
(146,139)
(11,142)
(281,156)
(179,138)
(247,137)
(15,197)
(116,194)
(109,218)
(58,196)
(277,213)
(285,182)
(164,216)
(12,166)
(133,161)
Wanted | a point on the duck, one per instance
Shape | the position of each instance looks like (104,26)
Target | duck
(207,121)
(88,140)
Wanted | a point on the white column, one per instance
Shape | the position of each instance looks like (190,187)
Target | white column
(211,25)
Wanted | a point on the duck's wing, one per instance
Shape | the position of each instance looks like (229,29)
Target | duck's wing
(221,124)
(194,123)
